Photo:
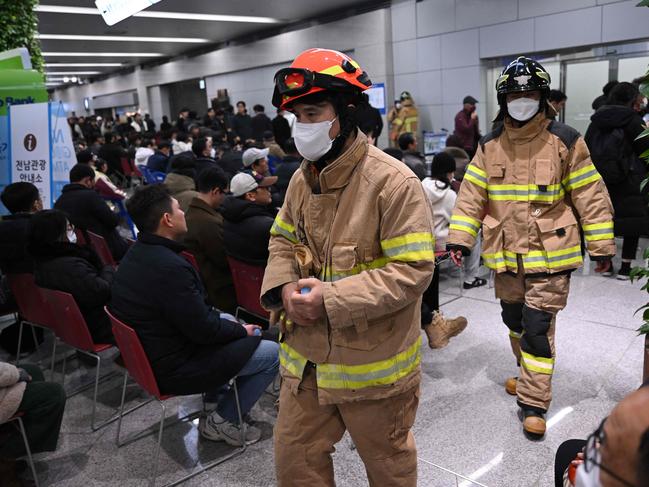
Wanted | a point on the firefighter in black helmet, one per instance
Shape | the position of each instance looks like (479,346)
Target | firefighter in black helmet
(531,187)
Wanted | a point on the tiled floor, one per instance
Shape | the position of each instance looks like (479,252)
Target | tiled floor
(466,422)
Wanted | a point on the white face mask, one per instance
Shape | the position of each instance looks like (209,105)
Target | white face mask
(587,479)
(312,139)
(213,153)
(72,237)
(522,109)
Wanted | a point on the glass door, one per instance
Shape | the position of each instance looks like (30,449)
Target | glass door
(584,82)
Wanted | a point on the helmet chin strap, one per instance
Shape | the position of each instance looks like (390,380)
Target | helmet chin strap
(347,119)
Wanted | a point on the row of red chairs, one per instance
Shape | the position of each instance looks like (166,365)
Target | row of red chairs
(58,312)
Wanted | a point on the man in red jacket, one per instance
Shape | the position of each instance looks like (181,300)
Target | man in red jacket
(467,126)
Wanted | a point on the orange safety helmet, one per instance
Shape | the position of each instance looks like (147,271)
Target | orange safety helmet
(317,70)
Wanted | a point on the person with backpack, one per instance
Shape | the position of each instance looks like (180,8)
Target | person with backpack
(611,139)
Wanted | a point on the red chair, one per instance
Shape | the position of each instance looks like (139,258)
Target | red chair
(18,418)
(81,237)
(32,306)
(101,247)
(138,366)
(71,329)
(190,258)
(247,287)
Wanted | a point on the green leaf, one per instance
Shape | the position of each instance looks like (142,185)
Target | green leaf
(645,132)
(645,154)
(643,183)
(643,3)
(644,329)
(641,307)
(645,315)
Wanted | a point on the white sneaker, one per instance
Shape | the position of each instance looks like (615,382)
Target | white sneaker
(216,428)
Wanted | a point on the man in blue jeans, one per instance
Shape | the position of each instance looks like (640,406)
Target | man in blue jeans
(192,347)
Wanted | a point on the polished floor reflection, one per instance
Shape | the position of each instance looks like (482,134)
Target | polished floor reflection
(466,423)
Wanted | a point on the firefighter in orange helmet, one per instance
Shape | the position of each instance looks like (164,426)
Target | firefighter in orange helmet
(358,221)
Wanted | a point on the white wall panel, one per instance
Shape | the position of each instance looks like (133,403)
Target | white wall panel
(429,53)
(534,8)
(404,25)
(623,21)
(405,57)
(435,17)
(568,29)
(460,49)
(510,38)
(476,13)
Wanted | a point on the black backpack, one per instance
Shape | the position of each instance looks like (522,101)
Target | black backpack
(610,152)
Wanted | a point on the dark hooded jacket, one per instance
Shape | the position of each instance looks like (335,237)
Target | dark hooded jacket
(77,270)
(247,230)
(89,212)
(630,205)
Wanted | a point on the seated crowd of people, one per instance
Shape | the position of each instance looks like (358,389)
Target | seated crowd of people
(225,176)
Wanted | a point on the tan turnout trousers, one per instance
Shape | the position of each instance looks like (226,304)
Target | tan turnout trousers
(306,432)
(530,305)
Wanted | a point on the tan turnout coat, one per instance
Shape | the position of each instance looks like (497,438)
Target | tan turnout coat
(367,224)
(531,189)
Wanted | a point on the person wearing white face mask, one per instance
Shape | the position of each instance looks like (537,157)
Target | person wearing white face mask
(531,187)
(616,454)
(351,253)
(61,264)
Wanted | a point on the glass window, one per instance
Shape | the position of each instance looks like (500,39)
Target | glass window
(632,68)
(584,83)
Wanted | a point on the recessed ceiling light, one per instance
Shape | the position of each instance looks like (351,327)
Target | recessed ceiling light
(80,65)
(50,73)
(74,37)
(103,54)
(153,14)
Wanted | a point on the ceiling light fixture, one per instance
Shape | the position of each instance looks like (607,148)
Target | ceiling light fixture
(103,54)
(52,73)
(153,14)
(81,65)
(75,37)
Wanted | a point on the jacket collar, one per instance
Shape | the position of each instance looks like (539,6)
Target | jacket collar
(152,239)
(74,187)
(199,204)
(524,134)
(337,173)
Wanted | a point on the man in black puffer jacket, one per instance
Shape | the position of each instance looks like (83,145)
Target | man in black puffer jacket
(88,211)
(248,218)
(615,151)
(191,346)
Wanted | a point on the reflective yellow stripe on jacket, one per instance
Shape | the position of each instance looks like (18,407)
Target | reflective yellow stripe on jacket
(525,192)
(283,229)
(581,177)
(532,192)
(342,376)
(465,224)
(598,231)
(534,259)
(411,247)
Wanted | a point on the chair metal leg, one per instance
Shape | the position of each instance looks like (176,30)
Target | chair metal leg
(156,455)
(241,422)
(55,340)
(121,411)
(20,342)
(94,394)
(29,452)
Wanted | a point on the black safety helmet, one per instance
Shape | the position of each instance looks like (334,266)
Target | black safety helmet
(523,74)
